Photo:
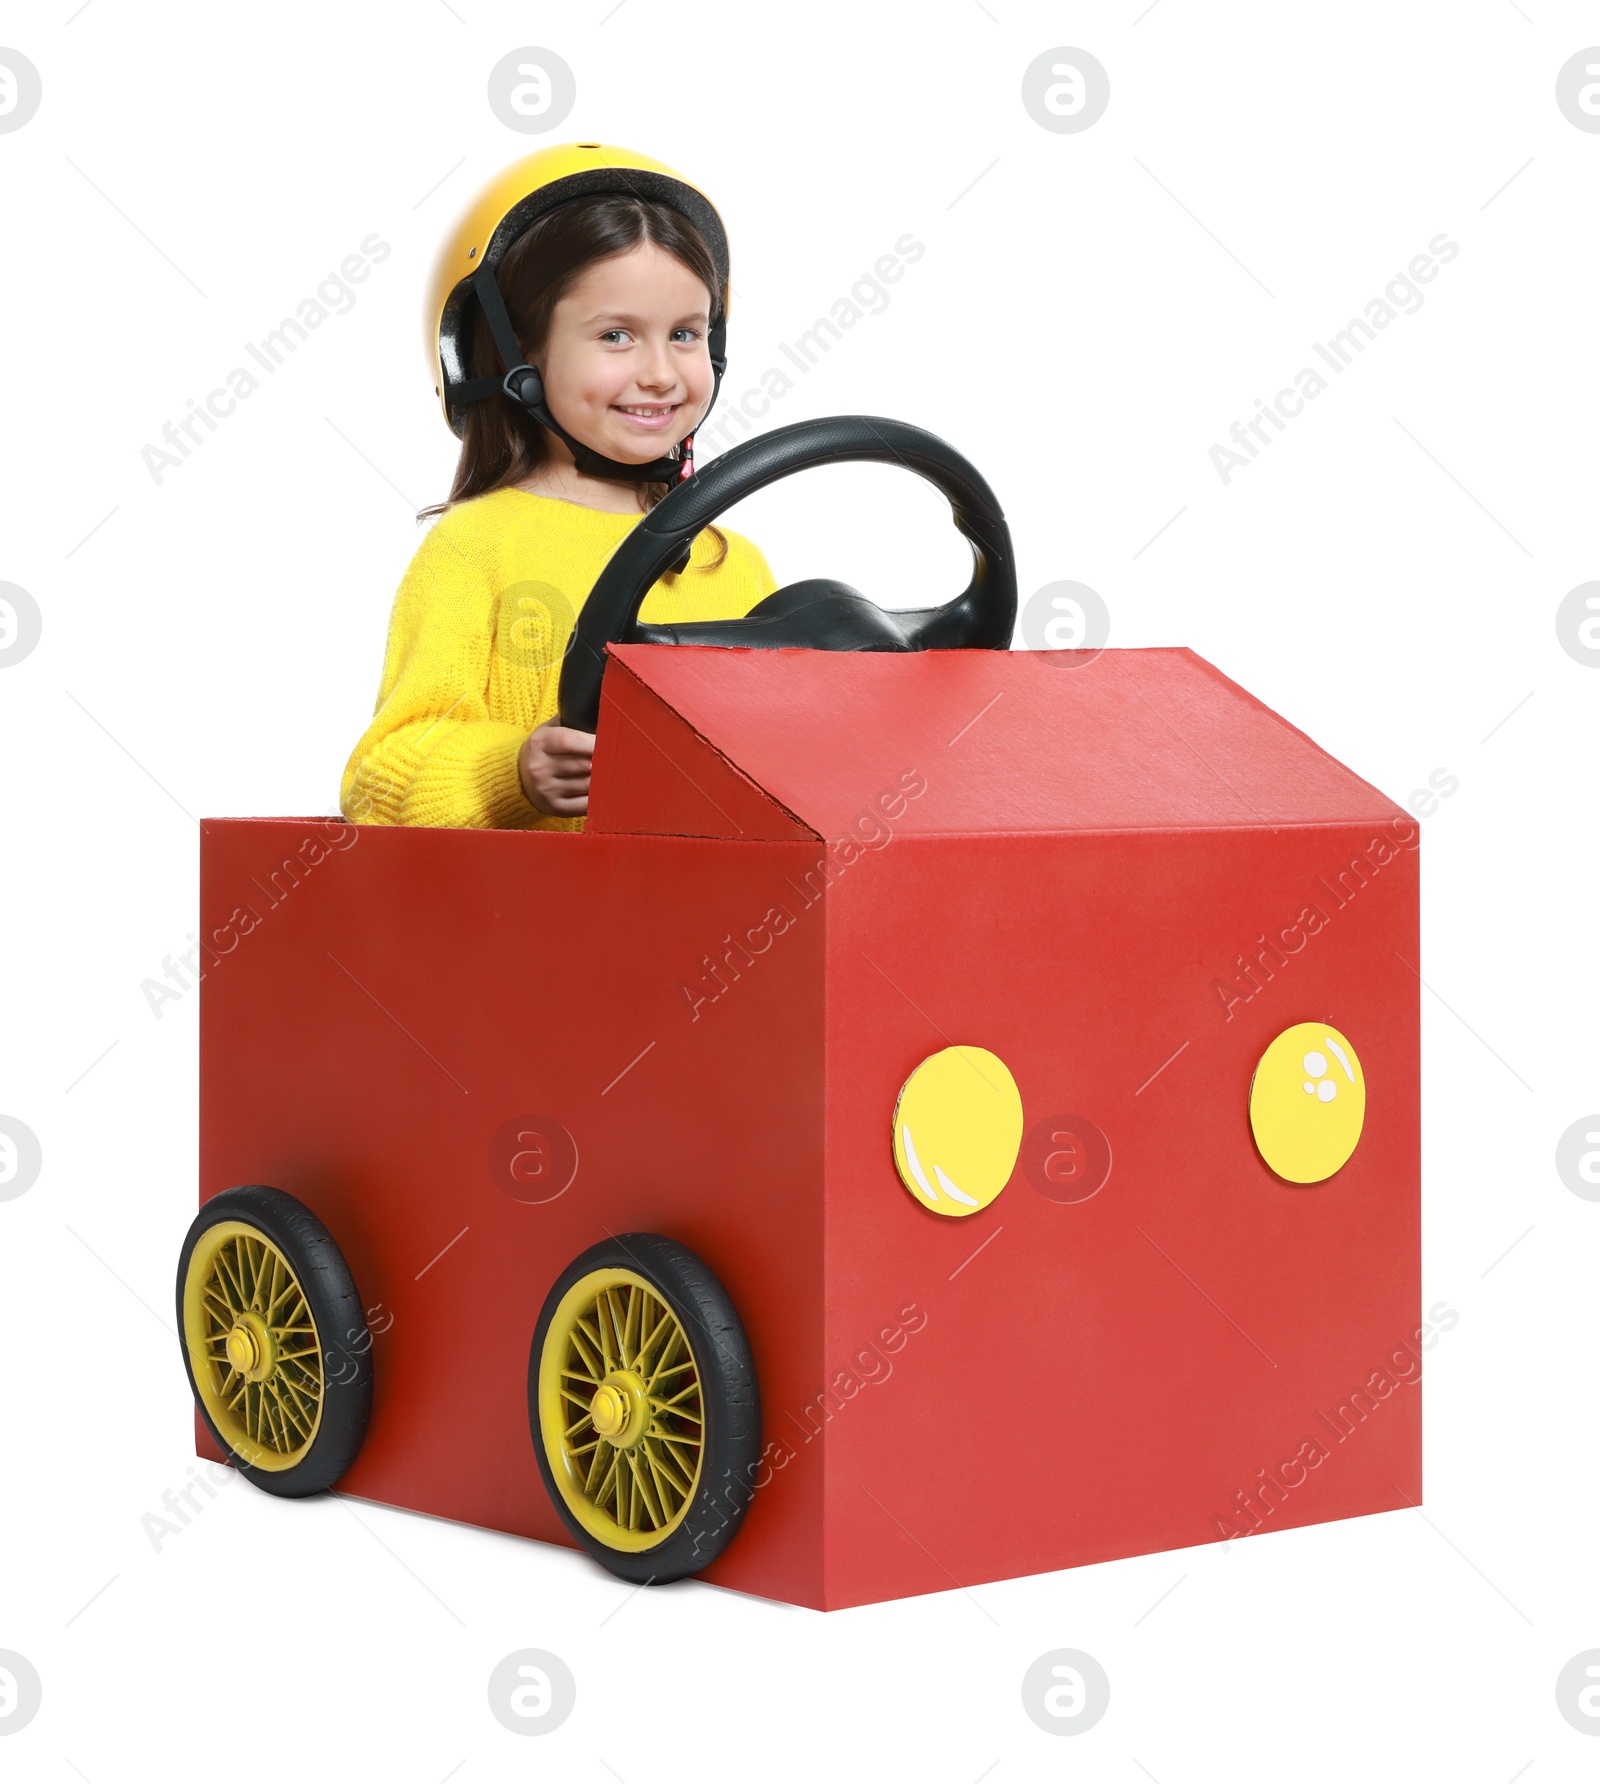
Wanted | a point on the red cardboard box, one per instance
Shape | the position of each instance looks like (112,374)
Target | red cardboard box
(805,872)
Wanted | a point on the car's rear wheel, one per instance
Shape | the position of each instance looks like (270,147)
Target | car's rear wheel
(643,1406)
(274,1340)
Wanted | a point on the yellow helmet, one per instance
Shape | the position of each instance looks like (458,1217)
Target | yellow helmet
(517,196)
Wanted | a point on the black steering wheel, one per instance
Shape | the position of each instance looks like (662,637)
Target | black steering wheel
(819,614)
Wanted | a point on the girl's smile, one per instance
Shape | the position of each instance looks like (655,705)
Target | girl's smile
(654,416)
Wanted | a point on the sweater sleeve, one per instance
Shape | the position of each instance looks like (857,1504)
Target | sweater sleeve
(432,754)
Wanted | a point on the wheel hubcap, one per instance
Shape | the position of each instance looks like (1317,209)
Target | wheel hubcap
(620,1408)
(249,1347)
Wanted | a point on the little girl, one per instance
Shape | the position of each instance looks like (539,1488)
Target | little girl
(607,274)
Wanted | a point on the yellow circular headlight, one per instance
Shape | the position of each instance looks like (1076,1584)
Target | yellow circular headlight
(1308,1100)
(957,1130)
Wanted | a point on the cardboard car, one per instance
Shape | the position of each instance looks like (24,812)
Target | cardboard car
(975,1136)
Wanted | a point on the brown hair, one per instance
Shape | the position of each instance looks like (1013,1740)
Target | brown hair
(502,444)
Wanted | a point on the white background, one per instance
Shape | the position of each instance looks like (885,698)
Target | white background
(1092,313)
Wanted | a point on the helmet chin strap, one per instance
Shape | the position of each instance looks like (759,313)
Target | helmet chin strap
(523,384)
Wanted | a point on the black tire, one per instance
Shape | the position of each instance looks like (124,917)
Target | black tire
(728,1399)
(342,1345)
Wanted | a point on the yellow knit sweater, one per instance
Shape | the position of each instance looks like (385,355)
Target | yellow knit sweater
(473,663)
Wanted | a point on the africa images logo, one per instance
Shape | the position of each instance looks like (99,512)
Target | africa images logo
(1402,296)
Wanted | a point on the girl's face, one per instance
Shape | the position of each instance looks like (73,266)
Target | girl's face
(626,367)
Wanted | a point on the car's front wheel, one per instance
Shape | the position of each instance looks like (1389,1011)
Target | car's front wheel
(643,1406)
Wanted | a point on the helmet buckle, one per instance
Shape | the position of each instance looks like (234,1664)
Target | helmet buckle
(523,385)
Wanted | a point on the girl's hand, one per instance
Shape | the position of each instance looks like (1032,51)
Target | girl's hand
(553,766)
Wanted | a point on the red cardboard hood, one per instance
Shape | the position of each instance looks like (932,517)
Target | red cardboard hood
(1006,741)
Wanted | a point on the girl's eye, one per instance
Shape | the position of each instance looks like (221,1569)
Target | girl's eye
(614,335)
(688,334)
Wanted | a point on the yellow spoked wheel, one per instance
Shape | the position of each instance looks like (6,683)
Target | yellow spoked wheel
(622,1388)
(277,1352)
(249,1326)
(641,1395)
